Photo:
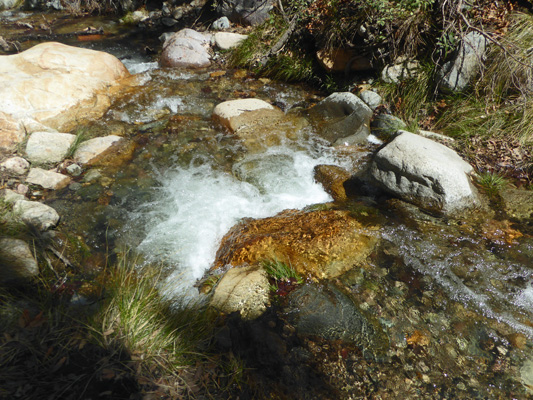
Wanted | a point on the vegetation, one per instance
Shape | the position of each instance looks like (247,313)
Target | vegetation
(283,276)
(491,183)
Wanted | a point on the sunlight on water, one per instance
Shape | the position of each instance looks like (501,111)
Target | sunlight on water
(194,207)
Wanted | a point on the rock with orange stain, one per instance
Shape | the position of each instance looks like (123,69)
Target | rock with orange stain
(418,338)
(500,232)
(321,244)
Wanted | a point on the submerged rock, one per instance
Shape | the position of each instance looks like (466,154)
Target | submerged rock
(517,204)
(48,147)
(244,290)
(342,118)
(74,80)
(323,244)
(16,260)
(425,173)
(35,214)
(186,48)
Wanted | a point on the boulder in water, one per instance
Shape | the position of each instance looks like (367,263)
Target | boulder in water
(90,151)
(188,49)
(425,173)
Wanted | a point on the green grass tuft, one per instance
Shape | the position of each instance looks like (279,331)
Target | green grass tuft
(491,183)
(281,272)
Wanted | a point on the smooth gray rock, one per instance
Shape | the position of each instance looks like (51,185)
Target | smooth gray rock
(228,40)
(456,75)
(47,179)
(16,260)
(247,12)
(74,170)
(371,99)
(15,166)
(342,117)
(396,73)
(48,147)
(7,4)
(186,48)
(35,214)
(425,173)
(221,24)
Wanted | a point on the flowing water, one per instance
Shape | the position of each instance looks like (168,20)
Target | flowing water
(189,182)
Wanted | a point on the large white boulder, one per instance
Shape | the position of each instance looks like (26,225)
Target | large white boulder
(56,84)
(425,173)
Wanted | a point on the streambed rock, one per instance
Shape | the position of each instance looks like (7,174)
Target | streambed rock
(92,150)
(35,214)
(11,133)
(186,48)
(16,260)
(425,173)
(245,290)
(48,147)
(15,166)
(518,204)
(342,118)
(322,244)
(47,179)
(58,85)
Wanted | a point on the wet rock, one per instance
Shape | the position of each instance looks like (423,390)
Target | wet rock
(247,12)
(74,80)
(342,60)
(7,4)
(228,40)
(221,24)
(47,179)
(74,170)
(457,74)
(342,118)
(229,112)
(526,375)
(325,311)
(186,48)
(371,99)
(385,126)
(323,244)
(35,214)
(90,151)
(11,134)
(16,260)
(48,147)
(517,203)
(400,71)
(244,290)
(15,166)
(425,173)
(332,179)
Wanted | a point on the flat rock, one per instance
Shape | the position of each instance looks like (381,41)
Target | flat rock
(48,147)
(228,40)
(47,179)
(186,48)
(36,214)
(425,173)
(322,244)
(245,290)
(91,150)
(16,260)
(56,84)
(227,113)
(15,166)
(10,196)
(342,118)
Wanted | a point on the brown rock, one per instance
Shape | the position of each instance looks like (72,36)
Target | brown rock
(332,178)
(323,244)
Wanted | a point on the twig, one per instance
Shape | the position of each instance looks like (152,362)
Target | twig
(280,43)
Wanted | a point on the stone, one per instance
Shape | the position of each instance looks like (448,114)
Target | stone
(7,4)
(332,179)
(425,173)
(342,60)
(258,124)
(244,290)
(342,118)
(247,12)
(38,215)
(517,203)
(15,166)
(48,147)
(11,134)
(385,126)
(10,196)
(75,81)
(221,24)
(186,48)
(16,260)
(90,151)
(320,244)
(228,40)
(456,75)
(74,170)
(400,71)
(47,179)
(371,99)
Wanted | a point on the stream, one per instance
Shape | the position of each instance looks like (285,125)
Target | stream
(188,182)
